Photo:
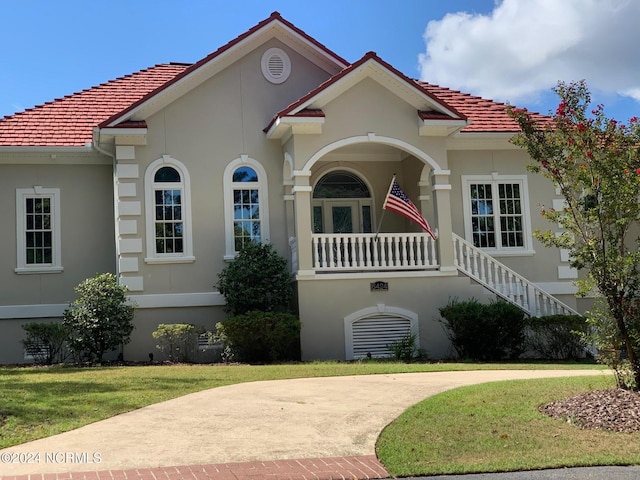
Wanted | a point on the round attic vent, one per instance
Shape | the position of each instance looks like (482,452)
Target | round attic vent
(276,66)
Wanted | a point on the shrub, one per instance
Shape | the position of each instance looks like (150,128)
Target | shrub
(405,349)
(257,279)
(179,341)
(558,337)
(261,336)
(100,319)
(484,332)
(45,342)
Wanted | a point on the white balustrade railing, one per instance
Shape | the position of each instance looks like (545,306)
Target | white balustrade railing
(504,282)
(366,251)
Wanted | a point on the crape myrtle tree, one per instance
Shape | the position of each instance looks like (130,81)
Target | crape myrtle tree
(595,163)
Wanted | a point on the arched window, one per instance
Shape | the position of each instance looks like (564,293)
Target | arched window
(168,212)
(246,207)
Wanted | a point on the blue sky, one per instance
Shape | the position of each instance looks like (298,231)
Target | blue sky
(508,50)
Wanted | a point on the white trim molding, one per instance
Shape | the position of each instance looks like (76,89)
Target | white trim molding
(53,310)
(150,186)
(494,179)
(176,300)
(379,311)
(53,217)
(229,186)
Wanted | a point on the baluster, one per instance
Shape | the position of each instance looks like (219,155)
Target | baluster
(483,270)
(333,252)
(432,252)
(364,251)
(412,242)
(476,269)
(396,251)
(456,254)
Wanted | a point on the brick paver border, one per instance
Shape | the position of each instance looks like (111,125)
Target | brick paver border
(334,468)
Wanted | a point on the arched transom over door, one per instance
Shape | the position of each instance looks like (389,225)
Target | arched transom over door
(342,204)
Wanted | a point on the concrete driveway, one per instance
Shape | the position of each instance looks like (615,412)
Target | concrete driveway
(257,421)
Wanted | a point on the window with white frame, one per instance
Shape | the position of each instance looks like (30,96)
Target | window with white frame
(246,206)
(168,212)
(38,230)
(496,212)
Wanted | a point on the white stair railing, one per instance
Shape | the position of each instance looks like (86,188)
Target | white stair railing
(504,282)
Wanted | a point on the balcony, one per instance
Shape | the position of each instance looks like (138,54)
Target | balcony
(361,252)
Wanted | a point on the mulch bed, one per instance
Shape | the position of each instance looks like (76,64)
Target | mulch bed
(614,409)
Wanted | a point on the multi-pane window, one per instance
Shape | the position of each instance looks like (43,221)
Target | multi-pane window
(38,230)
(169,226)
(168,212)
(496,212)
(246,207)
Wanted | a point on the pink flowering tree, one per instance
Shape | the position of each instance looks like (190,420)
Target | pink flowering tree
(595,163)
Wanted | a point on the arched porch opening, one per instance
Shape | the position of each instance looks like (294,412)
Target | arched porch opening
(348,182)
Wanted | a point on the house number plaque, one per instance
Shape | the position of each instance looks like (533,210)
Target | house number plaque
(379,286)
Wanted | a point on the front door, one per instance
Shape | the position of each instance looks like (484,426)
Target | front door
(342,216)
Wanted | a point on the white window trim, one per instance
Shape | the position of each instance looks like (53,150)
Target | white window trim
(152,255)
(38,192)
(263,201)
(494,179)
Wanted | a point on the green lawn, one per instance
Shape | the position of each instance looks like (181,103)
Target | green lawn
(497,427)
(38,402)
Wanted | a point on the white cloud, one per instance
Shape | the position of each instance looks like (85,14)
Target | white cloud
(524,47)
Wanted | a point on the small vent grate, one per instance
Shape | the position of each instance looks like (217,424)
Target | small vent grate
(276,65)
(372,335)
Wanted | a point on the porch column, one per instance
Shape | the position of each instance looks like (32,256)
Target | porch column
(442,201)
(302,214)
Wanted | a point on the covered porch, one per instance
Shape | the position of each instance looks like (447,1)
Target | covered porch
(335,216)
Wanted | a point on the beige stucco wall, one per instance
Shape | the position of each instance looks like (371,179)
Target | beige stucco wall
(207,129)
(543,265)
(323,331)
(87,232)
(147,320)
(354,114)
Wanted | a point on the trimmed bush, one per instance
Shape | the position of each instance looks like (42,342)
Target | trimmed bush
(558,337)
(101,319)
(261,337)
(484,332)
(45,342)
(178,341)
(257,279)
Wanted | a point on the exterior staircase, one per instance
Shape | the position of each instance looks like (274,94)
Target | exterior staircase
(504,282)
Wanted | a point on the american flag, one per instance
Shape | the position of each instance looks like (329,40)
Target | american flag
(397,201)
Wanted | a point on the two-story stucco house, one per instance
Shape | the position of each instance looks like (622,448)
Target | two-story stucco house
(160,176)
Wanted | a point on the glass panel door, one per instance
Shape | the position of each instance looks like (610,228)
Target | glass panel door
(342,218)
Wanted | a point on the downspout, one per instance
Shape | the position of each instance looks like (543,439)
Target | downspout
(95,144)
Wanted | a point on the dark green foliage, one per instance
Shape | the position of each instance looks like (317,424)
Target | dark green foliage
(261,336)
(558,337)
(257,279)
(484,332)
(179,341)
(45,342)
(100,320)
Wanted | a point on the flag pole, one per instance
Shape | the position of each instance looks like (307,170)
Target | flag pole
(384,209)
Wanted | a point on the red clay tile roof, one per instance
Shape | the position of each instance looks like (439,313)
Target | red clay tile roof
(69,121)
(486,115)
